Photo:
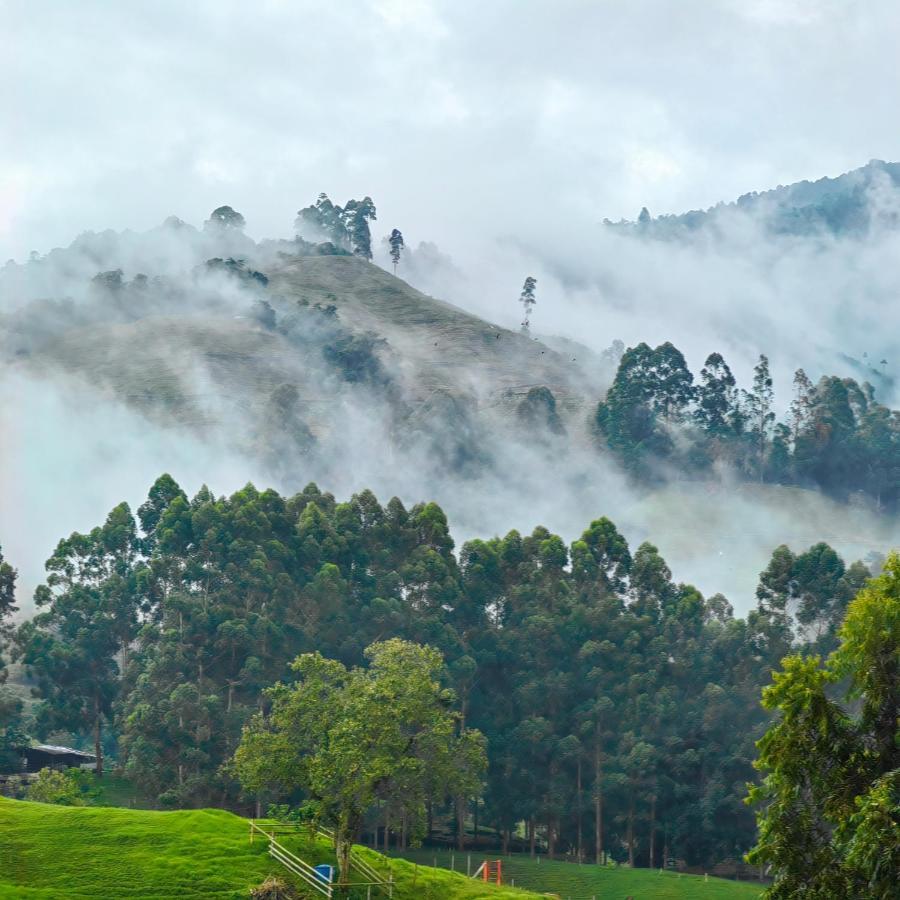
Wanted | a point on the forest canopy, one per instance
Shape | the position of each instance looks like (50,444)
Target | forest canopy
(619,706)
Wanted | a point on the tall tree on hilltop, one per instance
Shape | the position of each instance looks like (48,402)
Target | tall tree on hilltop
(225,218)
(761,414)
(323,221)
(397,245)
(801,404)
(673,389)
(716,398)
(528,300)
(357,215)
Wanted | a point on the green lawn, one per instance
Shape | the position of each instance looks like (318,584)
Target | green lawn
(71,853)
(62,853)
(574,882)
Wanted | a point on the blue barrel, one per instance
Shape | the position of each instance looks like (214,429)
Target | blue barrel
(325,873)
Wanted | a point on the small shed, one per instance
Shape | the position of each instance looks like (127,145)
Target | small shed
(50,756)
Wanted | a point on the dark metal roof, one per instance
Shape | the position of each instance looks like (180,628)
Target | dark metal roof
(55,750)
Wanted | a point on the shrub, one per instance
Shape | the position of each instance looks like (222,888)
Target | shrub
(52,786)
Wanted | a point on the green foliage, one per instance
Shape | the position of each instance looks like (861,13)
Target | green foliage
(77,647)
(650,394)
(54,786)
(836,437)
(829,824)
(346,227)
(8,606)
(576,662)
(351,737)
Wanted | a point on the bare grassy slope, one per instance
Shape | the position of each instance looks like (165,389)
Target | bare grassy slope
(202,367)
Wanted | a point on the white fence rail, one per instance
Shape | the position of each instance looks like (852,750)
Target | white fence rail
(304,871)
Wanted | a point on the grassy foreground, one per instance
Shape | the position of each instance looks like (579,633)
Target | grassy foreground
(62,852)
(573,882)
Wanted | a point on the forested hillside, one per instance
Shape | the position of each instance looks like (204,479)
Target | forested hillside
(841,205)
(619,705)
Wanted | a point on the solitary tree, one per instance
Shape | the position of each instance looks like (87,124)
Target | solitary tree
(349,737)
(397,245)
(762,416)
(224,217)
(527,299)
(828,821)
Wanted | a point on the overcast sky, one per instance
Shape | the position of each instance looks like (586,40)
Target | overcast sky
(463,120)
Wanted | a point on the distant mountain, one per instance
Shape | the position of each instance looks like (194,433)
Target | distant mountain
(848,204)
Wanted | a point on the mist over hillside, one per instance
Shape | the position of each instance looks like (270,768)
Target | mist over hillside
(216,357)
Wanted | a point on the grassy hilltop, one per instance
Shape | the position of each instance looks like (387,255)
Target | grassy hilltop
(62,852)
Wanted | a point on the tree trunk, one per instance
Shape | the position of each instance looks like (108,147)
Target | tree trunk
(653,831)
(551,840)
(578,809)
(598,807)
(98,749)
(531,836)
(460,823)
(631,830)
(475,823)
(343,845)
(504,842)
(429,809)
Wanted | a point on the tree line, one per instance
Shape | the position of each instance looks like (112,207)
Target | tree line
(836,437)
(620,707)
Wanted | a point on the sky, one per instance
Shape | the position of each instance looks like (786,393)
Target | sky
(464,121)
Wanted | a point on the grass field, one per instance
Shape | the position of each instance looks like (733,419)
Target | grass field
(574,882)
(62,853)
(69,853)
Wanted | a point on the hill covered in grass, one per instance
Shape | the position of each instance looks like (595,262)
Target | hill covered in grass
(66,853)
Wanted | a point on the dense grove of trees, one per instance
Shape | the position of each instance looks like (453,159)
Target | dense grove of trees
(346,227)
(837,437)
(620,707)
